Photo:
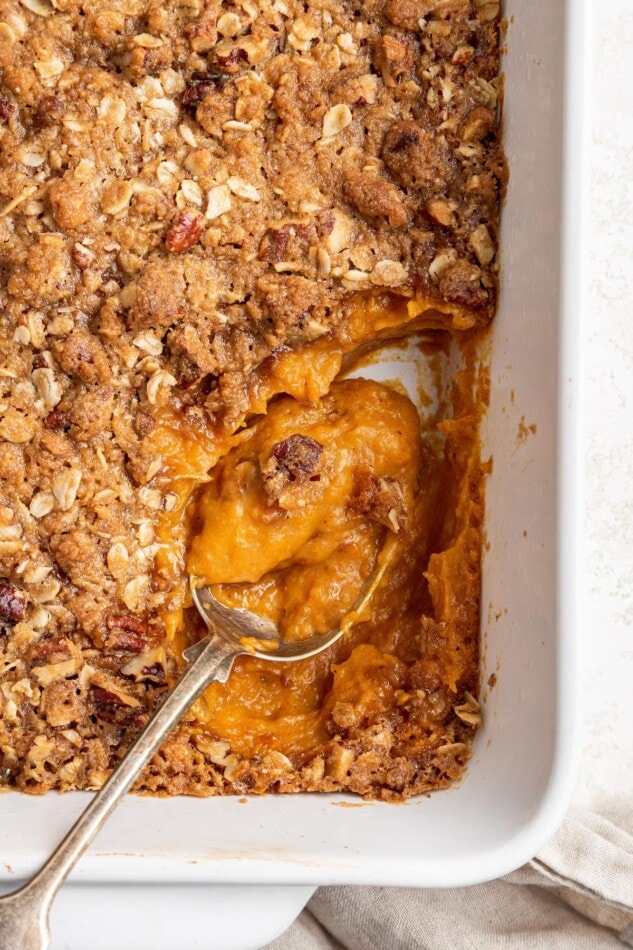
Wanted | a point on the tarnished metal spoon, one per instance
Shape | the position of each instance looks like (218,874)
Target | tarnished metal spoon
(232,633)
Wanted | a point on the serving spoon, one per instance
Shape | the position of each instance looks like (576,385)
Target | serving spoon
(233,632)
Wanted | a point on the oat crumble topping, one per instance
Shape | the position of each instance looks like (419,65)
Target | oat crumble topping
(185,189)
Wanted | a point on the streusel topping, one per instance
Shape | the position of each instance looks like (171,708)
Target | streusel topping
(185,189)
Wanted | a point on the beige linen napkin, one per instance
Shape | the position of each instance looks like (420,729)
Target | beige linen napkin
(576,894)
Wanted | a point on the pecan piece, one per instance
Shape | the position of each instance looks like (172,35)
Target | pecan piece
(186,230)
(57,419)
(50,111)
(273,246)
(82,256)
(299,455)
(148,666)
(200,85)
(125,622)
(50,650)
(380,499)
(12,604)
(7,109)
(231,62)
(121,641)
(293,472)
(112,708)
(127,634)
(461,284)
(143,423)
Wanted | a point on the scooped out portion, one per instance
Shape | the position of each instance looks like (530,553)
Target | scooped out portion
(295,516)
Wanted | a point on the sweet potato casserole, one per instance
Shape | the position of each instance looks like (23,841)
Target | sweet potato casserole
(208,210)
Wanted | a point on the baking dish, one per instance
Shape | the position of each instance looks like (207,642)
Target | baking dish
(521,774)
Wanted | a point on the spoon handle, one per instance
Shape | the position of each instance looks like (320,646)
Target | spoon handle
(26,911)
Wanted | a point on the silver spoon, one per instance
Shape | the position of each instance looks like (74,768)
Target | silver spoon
(232,633)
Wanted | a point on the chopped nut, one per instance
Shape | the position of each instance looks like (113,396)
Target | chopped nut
(341,234)
(345,41)
(123,641)
(199,86)
(53,672)
(150,665)
(215,749)
(58,420)
(231,765)
(302,34)
(276,764)
(186,230)
(123,622)
(12,604)
(117,707)
(82,256)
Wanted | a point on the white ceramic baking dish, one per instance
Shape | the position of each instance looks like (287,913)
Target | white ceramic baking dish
(519,781)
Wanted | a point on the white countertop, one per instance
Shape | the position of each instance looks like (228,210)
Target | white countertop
(607,599)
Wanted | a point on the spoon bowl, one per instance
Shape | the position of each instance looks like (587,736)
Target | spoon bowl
(233,632)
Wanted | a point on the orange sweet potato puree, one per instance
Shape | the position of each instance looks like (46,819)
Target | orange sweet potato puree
(306,550)
(296,540)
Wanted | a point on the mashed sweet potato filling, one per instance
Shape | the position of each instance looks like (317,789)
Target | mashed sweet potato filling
(288,517)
